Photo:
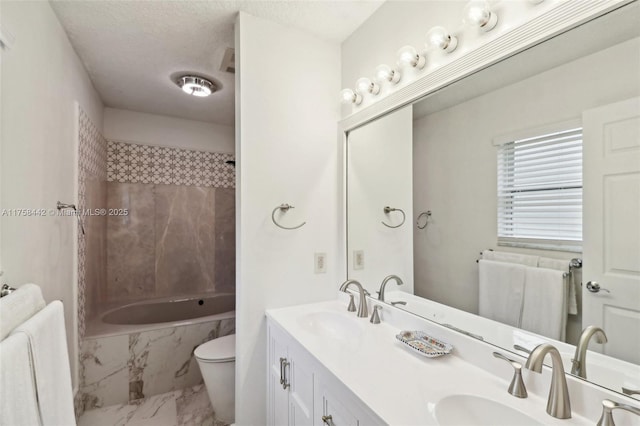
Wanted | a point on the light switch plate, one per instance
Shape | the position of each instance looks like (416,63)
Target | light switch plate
(358,259)
(320,263)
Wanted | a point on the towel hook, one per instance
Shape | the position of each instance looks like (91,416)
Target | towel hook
(284,208)
(426,222)
(65,206)
(387,210)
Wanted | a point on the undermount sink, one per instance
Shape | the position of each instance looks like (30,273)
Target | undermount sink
(458,410)
(332,325)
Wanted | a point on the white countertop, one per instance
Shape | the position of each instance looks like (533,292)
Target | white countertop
(403,387)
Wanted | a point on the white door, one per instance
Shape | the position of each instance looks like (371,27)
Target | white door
(611,218)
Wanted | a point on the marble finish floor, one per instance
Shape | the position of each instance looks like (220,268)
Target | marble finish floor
(185,407)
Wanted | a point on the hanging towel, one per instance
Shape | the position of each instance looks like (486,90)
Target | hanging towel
(50,358)
(544,310)
(503,256)
(563,265)
(501,291)
(18,401)
(19,306)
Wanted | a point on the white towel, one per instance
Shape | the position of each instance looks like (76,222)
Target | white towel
(19,306)
(563,265)
(545,303)
(50,358)
(503,256)
(501,291)
(18,404)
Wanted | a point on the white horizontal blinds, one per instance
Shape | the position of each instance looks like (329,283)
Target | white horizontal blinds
(540,189)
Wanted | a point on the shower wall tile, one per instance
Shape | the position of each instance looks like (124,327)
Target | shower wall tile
(131,241)
(104,373)
(185,221)
(92,173)
(133,163)
(225,241)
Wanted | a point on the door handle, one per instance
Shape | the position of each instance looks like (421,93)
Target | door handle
(283,373)
(594,287)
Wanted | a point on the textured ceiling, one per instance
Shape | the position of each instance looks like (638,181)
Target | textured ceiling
(134,49)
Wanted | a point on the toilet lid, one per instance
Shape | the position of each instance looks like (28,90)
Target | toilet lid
(217,350)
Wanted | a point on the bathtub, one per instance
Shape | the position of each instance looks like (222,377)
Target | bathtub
(161,313)
(146,348)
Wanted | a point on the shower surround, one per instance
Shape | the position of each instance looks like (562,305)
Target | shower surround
(172,231)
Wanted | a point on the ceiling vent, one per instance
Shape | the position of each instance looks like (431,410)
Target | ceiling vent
(229,61)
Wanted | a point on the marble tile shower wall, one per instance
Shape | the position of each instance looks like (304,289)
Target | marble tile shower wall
(178,236)
(124,369)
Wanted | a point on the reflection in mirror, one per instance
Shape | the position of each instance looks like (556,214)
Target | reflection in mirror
(523,167)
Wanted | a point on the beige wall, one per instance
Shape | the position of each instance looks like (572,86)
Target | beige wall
(42,78)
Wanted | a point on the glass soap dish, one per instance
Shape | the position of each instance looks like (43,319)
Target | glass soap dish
(422,343)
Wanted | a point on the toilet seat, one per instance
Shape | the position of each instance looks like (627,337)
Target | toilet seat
(222,349)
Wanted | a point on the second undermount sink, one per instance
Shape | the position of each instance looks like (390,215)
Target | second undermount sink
(333,325)
(458,410)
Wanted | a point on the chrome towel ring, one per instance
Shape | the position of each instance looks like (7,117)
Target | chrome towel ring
(283,208)
(426,221)
(387,210)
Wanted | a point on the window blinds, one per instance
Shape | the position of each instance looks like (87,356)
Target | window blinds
(540,190)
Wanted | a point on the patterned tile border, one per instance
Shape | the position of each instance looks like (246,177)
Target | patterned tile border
(134,163)
(92,162)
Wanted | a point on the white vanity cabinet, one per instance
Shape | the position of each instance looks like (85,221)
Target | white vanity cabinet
(300,392)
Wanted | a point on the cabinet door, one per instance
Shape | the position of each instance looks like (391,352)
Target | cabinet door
(277,394)
(330,410)
(300,376)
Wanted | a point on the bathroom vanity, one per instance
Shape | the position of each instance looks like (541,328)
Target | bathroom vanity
(327,366)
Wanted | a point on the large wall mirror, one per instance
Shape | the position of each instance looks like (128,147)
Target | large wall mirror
(507,205)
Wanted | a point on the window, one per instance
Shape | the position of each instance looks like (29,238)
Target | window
(540,191)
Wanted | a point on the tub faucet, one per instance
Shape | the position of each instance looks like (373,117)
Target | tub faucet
(362,309)
(384,285)
(579,361)
(558,405)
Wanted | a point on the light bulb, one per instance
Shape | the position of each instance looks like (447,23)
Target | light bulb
(477,13)
(408,57)
(440,38)
(347,96)
(364,85)
(384,73)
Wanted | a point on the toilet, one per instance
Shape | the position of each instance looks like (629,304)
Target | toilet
(217,361)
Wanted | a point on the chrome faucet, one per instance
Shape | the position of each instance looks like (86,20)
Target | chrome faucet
(558,405)
(606,419)
(362,309)
(579,361)
(384,285)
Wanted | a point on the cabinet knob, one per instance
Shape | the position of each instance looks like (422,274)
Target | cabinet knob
(328,420)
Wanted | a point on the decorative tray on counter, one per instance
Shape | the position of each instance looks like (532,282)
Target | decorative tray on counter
(424,344)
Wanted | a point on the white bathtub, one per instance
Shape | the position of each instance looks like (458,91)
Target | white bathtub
(161,313)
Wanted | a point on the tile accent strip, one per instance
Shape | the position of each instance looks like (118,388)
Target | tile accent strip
(92,160)
(135,163)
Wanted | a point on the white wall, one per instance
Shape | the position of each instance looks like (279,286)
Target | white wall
(455,162)
(380,172)
(152,129)
(42,78)
(287,148)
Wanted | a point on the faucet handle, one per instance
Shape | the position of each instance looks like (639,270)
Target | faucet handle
(375,317)
(352,304)
(606,419)
(517,387)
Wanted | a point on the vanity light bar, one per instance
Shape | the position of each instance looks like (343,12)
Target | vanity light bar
(476,14)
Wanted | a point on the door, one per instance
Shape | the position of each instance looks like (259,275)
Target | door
(611,225)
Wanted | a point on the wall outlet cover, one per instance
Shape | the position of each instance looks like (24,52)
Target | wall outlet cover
(320,263)
(358,259)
